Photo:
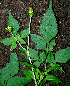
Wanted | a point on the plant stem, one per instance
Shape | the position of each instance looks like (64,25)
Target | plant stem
(28,50)
(28,41)
(18,42)
(46,54)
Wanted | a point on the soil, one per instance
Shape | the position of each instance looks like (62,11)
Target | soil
(18,10)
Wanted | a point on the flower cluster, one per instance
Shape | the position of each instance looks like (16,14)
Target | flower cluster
(9,28)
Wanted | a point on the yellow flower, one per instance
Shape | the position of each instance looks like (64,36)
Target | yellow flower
(9,28)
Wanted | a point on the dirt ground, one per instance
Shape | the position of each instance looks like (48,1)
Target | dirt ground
(18,10)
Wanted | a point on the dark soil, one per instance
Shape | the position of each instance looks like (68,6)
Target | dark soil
(18,10)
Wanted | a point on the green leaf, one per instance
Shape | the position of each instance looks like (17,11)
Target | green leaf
(14,45)
(11,68)
(17,81)
(37,63)
(6,41)
(13,57)
(52,79)
(20,39)
(1,81)
(4,75)
(25,33)
(26,64)
(23,51)
(41,44)
(51,67)
(55,66)
(29,74)
(63,55)
(1,84)
(48,27)
(33,54)
(50,57)
(51,44)
(42,56)
(13,22)
(13,65)
(13,41)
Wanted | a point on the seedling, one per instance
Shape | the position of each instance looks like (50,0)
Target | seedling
(48,29)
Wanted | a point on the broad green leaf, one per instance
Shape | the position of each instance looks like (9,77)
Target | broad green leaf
(63,55)
(51,44)
(50,57)
(23,51)
(17,81)
(13,57)
(13,22)
(4,79)
(37,63)
(33,54)
(11,67)
(26,64)
(41,44)
(42,56)
(29,74)
(20,39)
(6,41)
(10,70)
(13,41)
(48,27)
(25,33)
(52,79)
(14,45)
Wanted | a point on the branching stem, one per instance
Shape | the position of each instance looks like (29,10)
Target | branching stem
(18,42)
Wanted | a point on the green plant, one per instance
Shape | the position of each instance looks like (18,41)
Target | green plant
(48,29)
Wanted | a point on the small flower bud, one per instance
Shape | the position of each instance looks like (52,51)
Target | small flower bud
(30,12)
